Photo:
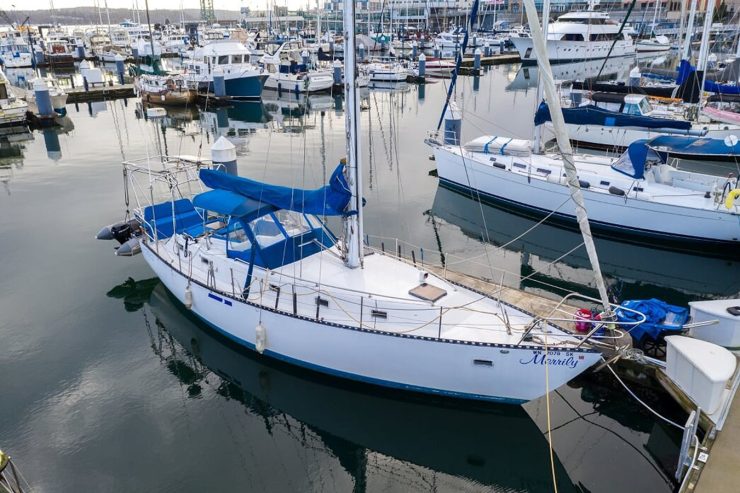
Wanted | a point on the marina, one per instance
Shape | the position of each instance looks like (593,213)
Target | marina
(371,248)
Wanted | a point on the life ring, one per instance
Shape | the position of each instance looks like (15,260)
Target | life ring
(731,197)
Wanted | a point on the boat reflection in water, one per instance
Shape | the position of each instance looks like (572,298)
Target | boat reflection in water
(633,271)
(375,434)
(236,122)
(291,112)
(11,158)
(615,68)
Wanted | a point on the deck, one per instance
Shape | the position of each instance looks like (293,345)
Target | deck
(716,468)
(99,93)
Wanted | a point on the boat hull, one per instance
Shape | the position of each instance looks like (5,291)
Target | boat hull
(614,216)
(310,84)
(572,51)
(619,138)
(243,87)
(494,372)
(169,98)
(651,47)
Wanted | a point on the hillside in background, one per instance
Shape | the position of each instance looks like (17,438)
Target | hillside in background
(90,15)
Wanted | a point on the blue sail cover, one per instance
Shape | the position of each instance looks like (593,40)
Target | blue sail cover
(593,115)
(329,200)
(632,162)
(697,146)
(684,71)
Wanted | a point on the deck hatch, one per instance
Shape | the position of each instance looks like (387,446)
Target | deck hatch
(428,292)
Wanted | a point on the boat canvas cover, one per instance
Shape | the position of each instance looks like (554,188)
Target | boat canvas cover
(632,162)
(505,146)
(703,146)
(231,204)
(329,200)
(593,115)
(685,70)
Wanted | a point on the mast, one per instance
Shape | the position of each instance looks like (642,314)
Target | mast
(107,14)
(705,35)
(318,22)
(704,51)
(682,22)
(689,32)
(655,18)
(151,35)
(353,222)
(545,28)
(556,113)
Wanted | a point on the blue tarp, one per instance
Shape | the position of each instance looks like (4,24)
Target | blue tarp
(660,318)
(697,146)
(329,200)
(593,115)
(685,69)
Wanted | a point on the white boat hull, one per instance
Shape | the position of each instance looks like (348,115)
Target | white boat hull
(307,84)
(621,137)
(624,215)
(651,47)
(569,51)
(497,372)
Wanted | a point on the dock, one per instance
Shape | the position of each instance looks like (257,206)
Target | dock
(721,471)
(716,469)
(99,93)
(500,59)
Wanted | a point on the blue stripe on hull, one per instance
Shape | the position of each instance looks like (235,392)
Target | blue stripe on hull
(612,231)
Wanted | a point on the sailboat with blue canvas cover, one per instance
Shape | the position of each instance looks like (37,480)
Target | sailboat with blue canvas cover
(259,265)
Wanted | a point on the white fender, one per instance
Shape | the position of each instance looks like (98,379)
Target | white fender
(260,340)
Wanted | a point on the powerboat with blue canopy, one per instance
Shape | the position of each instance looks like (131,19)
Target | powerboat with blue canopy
(614,121)
(593,115)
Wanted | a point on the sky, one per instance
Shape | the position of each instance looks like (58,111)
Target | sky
(153,4)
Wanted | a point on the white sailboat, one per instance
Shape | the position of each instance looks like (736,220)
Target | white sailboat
(256,263)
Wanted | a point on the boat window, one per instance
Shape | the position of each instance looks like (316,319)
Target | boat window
(603,37)
(294,223)
(266,231)
(237,59)
(237,238)
(3,91)
(631,109)
(645,106)
(223,60)
(573,37)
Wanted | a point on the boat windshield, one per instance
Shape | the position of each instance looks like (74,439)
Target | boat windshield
(645,106)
